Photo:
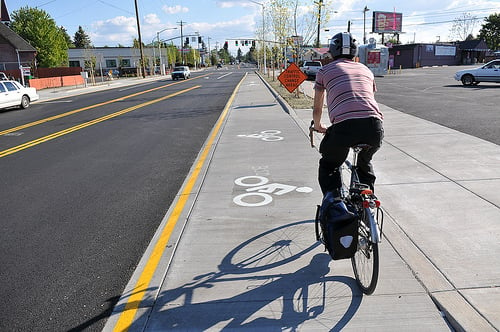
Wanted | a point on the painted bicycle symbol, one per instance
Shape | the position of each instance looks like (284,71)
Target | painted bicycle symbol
(259,190)
(266,135)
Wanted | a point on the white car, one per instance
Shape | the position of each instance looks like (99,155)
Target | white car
(13,94)
(311,68)
(489,72)
(181,72)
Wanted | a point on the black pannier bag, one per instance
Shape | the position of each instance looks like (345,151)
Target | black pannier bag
(339,226)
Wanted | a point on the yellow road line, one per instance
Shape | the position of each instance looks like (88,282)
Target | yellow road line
(127,315)
(62,115)
(87,124)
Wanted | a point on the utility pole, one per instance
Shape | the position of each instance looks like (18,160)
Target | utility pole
(209,52)
(183,56)
(320,4)
(143,67)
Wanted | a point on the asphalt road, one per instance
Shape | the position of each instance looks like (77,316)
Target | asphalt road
(83,193)
(434,95)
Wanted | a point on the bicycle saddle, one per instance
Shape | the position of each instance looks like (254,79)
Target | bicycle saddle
(362,146)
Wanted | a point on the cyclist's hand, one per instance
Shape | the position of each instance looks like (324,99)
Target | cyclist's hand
(319,128)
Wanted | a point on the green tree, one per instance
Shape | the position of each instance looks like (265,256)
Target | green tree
(251,55)
(239,55)
(224,53)
(490,32)
(82,40)
(69,42)
(40,30)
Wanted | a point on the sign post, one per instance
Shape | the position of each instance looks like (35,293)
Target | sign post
(292,77)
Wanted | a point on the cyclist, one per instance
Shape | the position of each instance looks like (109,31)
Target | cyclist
(353,112)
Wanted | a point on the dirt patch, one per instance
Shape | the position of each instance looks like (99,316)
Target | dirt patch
(295,100)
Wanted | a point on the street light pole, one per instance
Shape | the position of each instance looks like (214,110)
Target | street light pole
(364,24)
(263,33)
(162,69)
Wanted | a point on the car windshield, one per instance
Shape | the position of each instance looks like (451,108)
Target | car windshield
(493,65)
(179,69)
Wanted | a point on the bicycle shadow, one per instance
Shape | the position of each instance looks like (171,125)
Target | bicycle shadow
(260,301)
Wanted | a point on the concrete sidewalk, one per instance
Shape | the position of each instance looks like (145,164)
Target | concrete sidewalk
(62,92)
(248,258)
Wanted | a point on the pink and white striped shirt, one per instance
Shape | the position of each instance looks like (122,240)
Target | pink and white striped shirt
(350,88)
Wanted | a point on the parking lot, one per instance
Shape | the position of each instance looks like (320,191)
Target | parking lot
(434,95)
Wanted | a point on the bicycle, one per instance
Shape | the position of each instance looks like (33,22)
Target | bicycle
(360,199)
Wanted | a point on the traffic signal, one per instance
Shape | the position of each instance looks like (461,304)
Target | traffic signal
(225,45)
(246,42)
(236,42)
(253,43)
(199,40)
(187,40)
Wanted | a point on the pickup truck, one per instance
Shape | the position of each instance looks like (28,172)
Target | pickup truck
(310,68)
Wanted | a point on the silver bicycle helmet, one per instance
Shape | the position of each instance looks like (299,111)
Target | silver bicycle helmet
(343,45)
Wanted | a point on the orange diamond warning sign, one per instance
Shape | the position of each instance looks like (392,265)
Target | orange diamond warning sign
(292,77)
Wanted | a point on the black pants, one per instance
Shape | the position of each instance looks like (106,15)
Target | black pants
(335,146)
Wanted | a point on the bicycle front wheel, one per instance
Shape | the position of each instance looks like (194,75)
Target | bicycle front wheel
(365,262)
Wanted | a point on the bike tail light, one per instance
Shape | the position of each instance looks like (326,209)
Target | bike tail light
(367,192)
(371,203)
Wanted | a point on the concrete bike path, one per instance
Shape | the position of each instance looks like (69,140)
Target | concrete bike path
(248,257)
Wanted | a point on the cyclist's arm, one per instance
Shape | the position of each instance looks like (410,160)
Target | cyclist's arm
(319,96)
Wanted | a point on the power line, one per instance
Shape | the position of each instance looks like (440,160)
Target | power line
(116,7)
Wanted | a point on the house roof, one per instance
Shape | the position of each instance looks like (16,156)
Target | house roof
(473,45)
(14,39)
(4,13)
(322,50)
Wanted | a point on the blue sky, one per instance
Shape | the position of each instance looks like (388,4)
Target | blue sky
(113,22)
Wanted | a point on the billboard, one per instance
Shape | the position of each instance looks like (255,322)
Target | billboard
(387,22)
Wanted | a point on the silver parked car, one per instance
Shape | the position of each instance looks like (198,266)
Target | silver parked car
(490,72)
(13,94)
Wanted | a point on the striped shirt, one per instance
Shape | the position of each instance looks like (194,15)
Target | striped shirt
(350,88)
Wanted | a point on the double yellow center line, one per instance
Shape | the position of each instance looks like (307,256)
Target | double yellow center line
(83,125)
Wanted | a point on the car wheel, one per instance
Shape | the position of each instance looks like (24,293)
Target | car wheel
(25,102)
(467,79)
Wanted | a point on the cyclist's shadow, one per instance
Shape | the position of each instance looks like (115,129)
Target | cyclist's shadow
(281,301)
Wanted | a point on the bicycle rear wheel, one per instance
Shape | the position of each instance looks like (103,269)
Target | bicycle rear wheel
(365,262)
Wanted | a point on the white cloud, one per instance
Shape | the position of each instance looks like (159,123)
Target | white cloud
(152,19)
(120,29)
(231,4)
(243,26)
(175,9)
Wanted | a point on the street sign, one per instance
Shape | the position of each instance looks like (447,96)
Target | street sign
(292,77)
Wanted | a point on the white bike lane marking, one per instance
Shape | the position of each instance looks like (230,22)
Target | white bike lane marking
(259,191)
(270,135)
